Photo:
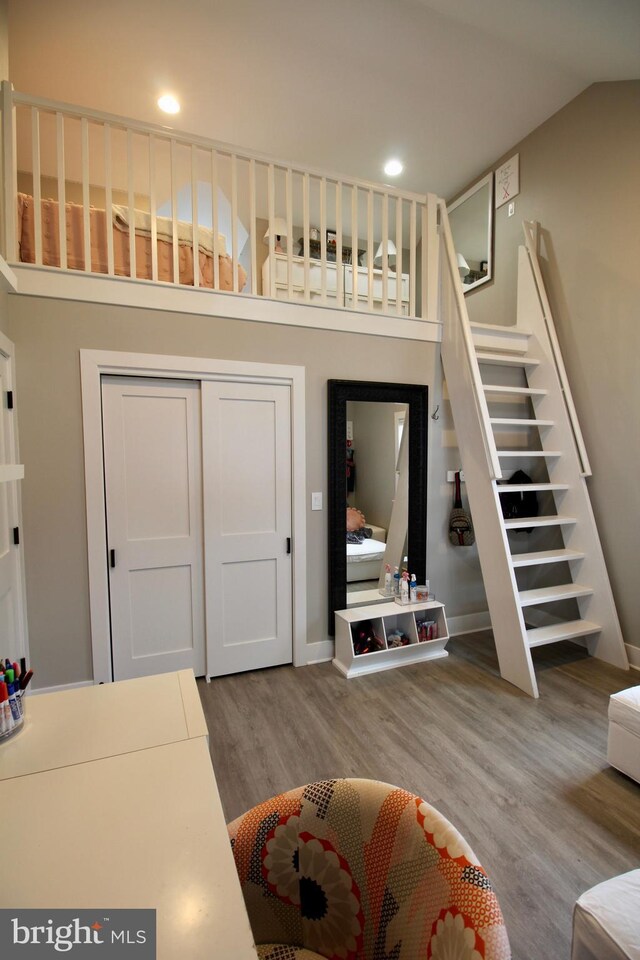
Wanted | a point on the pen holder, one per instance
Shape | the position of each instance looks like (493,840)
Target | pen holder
(9,727)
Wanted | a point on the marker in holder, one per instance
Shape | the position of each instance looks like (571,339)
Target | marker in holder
(13,683)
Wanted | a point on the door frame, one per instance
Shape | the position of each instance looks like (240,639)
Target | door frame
(8,351)
(93,365)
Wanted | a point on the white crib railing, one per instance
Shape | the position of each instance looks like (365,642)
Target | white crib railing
(362,246)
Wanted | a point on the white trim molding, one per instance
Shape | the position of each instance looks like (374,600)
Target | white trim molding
(633,654)
(320,651)
(469,623)
(96,363)
(56,284)
(62,686)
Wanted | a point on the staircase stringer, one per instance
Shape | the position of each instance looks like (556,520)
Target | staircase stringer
(474,431)
(583,536)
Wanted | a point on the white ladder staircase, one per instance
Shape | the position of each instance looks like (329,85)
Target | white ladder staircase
(544,575)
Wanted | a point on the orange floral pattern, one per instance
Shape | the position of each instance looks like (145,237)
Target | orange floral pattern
(361,870)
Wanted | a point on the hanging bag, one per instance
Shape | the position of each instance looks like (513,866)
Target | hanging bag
(460,527)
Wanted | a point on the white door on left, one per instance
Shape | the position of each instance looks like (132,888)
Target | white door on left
(12,614)
(153,485)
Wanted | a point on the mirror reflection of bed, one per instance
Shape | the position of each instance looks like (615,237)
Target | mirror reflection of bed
(377,496)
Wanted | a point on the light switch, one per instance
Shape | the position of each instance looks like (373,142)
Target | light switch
(316,501)
(511,210)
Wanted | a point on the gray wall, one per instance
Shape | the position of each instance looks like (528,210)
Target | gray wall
(580,178)
(49,334)
(4,314)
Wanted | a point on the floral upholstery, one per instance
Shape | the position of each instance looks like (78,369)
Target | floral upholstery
(361,870)
(284,951)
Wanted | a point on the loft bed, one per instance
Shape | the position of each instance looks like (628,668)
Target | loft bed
(119,225)
(282,224)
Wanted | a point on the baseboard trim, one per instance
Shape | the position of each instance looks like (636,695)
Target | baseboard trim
(62,686)
(319,652)
(633,655)
(469,623)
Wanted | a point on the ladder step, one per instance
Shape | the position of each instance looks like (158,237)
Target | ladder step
(561,631)
(529,453)
(564,591)
(519,422)
(498,328)
(505,359)
(526,487)
(526,522)
(491,338)
(520,391)
(545,556)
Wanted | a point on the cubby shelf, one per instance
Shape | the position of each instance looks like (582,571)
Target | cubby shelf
(386,617)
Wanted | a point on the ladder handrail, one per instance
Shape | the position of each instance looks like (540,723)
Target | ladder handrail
(531,228)
(493,461)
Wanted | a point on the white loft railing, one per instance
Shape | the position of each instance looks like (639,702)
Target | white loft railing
(139,199)
(458,339)
(531,232)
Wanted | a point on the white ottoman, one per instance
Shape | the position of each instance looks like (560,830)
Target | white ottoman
(606,921)
(623,751)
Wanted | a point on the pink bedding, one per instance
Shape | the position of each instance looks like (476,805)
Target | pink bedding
(98,229)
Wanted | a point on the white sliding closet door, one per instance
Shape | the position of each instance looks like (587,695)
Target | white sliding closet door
(153,480)
(246,444)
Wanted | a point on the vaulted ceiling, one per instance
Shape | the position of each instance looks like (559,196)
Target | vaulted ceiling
(340,85)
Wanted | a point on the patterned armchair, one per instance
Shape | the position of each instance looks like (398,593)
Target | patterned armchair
(361,870)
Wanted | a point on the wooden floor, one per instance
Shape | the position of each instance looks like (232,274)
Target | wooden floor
(526,781)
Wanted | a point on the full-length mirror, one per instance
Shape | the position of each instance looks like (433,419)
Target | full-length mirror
(377,487)
(471,220)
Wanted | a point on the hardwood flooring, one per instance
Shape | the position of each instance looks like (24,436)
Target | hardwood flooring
(525,781)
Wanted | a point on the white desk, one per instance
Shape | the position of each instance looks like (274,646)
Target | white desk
(139,825)
(90,723)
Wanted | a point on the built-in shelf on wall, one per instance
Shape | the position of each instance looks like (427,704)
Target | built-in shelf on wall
(11,471)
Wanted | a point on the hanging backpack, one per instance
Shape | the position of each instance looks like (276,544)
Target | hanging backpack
(522,503)
(460,527)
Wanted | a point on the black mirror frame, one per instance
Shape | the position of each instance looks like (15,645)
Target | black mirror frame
(417,398)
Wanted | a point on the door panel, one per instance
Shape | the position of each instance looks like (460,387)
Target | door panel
(250,591)
(160,464)
(247,513)
(167,626)
(153,480)
(248,472)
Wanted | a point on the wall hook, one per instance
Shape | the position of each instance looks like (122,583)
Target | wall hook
(434,415)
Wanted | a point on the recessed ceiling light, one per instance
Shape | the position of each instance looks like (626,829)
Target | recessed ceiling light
(169,104)
(393,167)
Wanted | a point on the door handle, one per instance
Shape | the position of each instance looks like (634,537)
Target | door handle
(112,558)
(288,544)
